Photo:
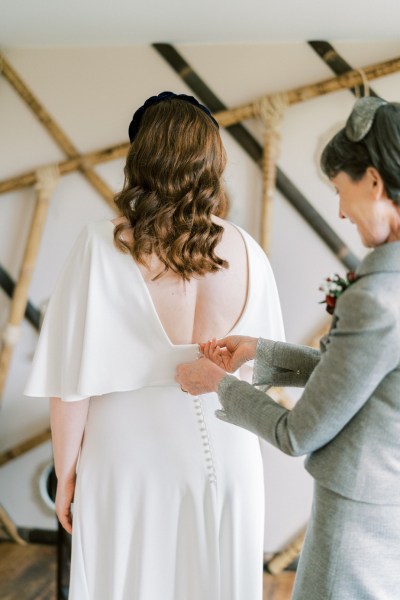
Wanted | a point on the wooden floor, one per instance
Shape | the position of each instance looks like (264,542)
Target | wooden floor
(29,573)
(278,587)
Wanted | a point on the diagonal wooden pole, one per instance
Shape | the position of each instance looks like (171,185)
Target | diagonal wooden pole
(24,447)
(65,167)
(338,65)
(10,527)
(46,180)
(348,80)
(32,314)
(282,559)
(54,129)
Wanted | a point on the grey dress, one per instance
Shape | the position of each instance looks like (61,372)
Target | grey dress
(348,423)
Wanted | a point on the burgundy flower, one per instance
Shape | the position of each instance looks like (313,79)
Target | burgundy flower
(351,276)
(333,287)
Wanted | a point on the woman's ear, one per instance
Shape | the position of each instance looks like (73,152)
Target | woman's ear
(376,182)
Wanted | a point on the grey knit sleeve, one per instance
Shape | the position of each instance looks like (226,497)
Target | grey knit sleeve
(281,364)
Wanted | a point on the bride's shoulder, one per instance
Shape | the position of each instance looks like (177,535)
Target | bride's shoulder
(230,229)
(234,231)
(232,239)
(96,233)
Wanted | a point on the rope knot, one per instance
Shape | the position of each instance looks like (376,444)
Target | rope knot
(46,179)
(271,110)
(11,334)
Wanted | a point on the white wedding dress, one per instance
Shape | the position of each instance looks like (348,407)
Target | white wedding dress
(169,501)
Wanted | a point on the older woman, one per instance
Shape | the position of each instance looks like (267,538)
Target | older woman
(348,418)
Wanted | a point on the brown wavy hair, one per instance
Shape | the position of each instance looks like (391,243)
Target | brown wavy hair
(172,188)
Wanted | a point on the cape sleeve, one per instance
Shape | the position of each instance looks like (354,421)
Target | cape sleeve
(56,364)
(100,334)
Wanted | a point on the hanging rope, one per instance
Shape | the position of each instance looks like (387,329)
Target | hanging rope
(365,84)
(270,110)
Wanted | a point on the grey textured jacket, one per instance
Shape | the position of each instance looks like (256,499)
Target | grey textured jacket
(348,417)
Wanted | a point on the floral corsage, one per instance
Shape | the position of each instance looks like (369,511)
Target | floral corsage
(333,287)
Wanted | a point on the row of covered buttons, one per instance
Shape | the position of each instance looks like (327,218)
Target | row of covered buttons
(212,478)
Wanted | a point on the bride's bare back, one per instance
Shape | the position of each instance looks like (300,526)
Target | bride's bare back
(205,307)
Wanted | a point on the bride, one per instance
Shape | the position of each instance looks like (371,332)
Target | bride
(163,500)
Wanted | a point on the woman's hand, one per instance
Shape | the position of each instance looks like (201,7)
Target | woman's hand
(64,498)
(231,352)
(199,377)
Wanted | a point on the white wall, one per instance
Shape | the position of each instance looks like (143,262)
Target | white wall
(92,94)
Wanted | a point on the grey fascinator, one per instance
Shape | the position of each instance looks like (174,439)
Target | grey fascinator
(362,117)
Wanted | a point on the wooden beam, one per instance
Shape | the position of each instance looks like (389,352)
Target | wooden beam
(24,447)
(54,129)
(282,559)
(65,167)
(47,179)
(337,64)
(10,527)
(178,63)
(307,92)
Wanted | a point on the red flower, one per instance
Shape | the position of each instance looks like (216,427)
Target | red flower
(334,287)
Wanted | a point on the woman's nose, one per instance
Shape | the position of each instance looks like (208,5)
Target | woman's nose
(341,215)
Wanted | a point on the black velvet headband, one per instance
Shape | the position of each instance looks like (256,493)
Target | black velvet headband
(137,117)
(362,117)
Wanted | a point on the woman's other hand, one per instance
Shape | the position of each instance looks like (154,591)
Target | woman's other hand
(231,352)
(64,499)
(199,377)
(68,420)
